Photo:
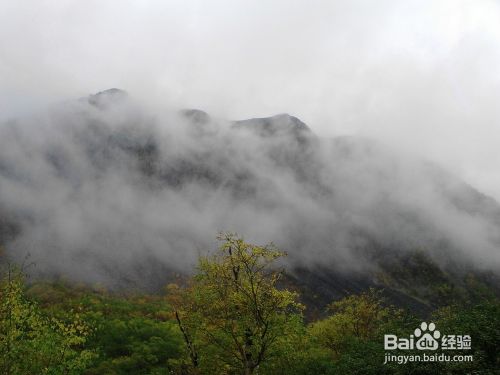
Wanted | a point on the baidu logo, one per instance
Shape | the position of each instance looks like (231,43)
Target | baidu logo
(427,337)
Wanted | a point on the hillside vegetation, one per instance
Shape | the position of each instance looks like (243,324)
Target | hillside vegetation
(232,317)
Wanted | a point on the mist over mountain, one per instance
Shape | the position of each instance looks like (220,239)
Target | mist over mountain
(103,189)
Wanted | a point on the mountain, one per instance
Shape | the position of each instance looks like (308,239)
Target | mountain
(103,190)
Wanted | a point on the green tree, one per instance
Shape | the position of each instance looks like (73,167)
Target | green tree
(353,334)
(33,343)
(481,321)
(233,316)
(134,332)
(356,317)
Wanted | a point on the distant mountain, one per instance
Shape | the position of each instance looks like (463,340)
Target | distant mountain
(101,190)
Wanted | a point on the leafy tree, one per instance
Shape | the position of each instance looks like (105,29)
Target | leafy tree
(300,355)
(33,343)
(481,321)
(134,333)
(233,317)
(358,317)
(353,334)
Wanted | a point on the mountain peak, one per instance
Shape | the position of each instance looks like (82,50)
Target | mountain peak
(285,119)
(278,124)
(196,115)
(103,98)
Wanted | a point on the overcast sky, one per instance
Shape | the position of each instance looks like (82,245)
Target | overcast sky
(421,75)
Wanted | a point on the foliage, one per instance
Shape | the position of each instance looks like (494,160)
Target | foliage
(480,320)
(352,334)
(32,342)
(354,318)
(134,333)
(233,316)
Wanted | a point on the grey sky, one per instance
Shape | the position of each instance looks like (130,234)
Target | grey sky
(421,75)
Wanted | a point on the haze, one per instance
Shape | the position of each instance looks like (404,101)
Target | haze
(423,75)
(420,76)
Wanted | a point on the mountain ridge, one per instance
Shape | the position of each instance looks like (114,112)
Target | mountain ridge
(113,193)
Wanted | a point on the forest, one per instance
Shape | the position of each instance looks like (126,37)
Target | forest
(234,315)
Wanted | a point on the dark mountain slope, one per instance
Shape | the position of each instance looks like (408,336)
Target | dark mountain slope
(104,191)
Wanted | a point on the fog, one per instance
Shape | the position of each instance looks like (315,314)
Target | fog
(410,87)
(105,189)
(420,74)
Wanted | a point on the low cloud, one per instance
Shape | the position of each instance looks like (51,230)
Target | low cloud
(106,189)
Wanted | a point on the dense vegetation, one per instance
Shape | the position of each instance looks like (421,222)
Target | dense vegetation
(232,317)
